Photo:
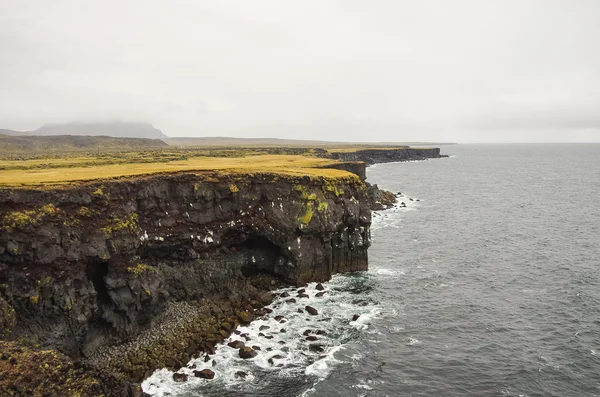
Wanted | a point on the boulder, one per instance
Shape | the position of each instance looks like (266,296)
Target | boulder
(311,310)
(320,287)
(236,344)
(205,374)
(179,377)
(247,352)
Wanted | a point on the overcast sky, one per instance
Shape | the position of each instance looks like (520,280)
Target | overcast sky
(355,70)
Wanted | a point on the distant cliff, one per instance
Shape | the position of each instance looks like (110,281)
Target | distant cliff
(114,129)
(386,155)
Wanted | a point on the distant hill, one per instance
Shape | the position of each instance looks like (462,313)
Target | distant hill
(12,132)
(65,143)
(114,129)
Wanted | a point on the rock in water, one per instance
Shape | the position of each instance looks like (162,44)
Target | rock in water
(320,294)
(241,374)
(311,310)
(355,317)
(247,352)
(236,344)
(205,374)
(179,377)
(320,287)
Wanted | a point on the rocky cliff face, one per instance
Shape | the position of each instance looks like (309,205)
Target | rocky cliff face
(373,156)
(93,267)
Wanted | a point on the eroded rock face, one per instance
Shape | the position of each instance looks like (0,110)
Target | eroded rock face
(89,267)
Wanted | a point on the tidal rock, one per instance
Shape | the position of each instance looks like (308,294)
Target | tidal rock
(311,338)
(311,310)
(236,344)
(320,294)
(355,317)
(247,352)
(320,287)
(241,374)
(205,374)
(179,377)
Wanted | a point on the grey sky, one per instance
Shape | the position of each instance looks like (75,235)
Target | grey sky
(378,70)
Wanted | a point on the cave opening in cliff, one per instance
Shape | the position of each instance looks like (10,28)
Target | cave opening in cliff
(96,270)
(261,253)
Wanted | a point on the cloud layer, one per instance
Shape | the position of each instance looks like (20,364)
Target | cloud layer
(384,70)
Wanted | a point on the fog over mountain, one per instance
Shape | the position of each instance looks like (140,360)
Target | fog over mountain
(384,70)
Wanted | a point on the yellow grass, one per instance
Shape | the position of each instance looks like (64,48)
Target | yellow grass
(279,164)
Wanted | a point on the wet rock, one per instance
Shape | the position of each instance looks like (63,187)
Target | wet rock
(320,287)
(301,290)
(311,338)
(245,317)
(278,318)
(320,294)
(205,374)
(282,330)
(307,332)
(317,348)
(227,326)
(302,296)
(283,321)
(257,348)
(281,342)
(311,310)
(179,377)
(206,358)
(291,300)
(268,310)
(284,294)
(263,327)
(275,357)
(241,374)
(300,310)
(247,352)
(355,317)
(321,332)
(236,344)
(268,336)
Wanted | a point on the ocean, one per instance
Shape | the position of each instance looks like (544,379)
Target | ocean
(486,284)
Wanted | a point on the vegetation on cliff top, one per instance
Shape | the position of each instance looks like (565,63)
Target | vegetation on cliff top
(294,165)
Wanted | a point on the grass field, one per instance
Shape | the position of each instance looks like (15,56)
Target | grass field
(64,171)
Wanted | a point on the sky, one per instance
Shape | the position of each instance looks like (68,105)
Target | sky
(345,70)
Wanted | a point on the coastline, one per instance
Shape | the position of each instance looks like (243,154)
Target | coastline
(138,289)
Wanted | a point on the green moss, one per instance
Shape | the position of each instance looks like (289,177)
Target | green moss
(84,212)
(20,219)
(233,188)
(307,213)
(130,224)
(322,206)
(141,268)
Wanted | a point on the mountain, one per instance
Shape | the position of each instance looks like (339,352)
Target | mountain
(66,143)
(114,129)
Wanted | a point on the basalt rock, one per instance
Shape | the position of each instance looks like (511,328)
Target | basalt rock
(132,275)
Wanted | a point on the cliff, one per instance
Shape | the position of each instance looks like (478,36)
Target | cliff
(386,155)
(131,275)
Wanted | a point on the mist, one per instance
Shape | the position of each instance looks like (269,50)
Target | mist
(460,71)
